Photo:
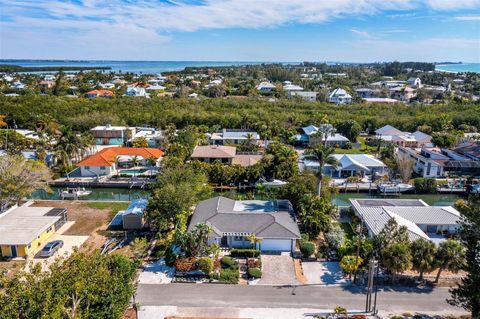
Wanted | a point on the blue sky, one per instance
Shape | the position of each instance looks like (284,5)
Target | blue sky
(242,30)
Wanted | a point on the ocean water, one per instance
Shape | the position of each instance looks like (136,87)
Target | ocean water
(463,67)
(149,67)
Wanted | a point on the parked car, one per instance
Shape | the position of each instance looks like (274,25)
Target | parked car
(51,248)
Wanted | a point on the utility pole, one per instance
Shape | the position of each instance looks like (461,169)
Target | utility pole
(368,304)
(359,231)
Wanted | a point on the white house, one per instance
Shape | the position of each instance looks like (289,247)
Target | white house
(348,165)
(306,95)
(265,86)
(292,87)
(107,85)
(136,91)
(415,82)
(339,96)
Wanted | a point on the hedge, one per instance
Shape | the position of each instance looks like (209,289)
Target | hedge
(186,264)
(245,253)
(425,185)
(228,276)
(205,264)
(307,248)
(254,273)
(229,262)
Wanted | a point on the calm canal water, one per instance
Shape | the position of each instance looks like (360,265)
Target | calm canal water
(123,194)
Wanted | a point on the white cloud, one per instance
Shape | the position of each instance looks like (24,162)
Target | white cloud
(453,4)
(467,18)
(361,33)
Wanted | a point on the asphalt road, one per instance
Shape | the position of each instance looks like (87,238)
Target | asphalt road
(353,298)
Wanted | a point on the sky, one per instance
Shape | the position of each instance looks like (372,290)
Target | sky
(241,30)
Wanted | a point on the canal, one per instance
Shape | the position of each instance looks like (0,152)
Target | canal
(123,194)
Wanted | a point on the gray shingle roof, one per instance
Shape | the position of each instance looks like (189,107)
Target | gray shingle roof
(228,216)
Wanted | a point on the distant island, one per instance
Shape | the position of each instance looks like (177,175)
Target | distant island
(18,68)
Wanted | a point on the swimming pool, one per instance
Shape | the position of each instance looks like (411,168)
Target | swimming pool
(134,171)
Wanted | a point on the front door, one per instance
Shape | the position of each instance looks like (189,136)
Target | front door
(14,250)
(224,241)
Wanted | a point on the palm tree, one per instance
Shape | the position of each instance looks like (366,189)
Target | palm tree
(326,130)
(285,160)
(423,256)
(350,263)
(254,240)
(323,155)
(451,256)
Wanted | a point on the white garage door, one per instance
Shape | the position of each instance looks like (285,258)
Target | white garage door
(276,245)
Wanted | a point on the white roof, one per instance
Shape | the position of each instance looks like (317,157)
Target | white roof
(388,130)
(292,87)
(22,225)
(407,212)
(108,128)
(339,92)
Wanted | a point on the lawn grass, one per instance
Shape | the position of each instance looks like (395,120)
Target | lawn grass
(114,207)
(364,148)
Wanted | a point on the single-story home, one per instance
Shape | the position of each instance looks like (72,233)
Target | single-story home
(110,159)
(231,221)
(24,229)
(234,136)
(348,165)
(225,155)
(309,136)
(99,93)
(421,220)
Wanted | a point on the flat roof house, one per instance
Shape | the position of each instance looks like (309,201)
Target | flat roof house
(105,161)
(232,221)
(24,229)
(421,220)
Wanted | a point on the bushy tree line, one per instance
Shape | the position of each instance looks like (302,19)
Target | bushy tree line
(82,286)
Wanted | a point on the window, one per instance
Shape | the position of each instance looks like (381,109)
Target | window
(238,238)
(102,168)
(87,167)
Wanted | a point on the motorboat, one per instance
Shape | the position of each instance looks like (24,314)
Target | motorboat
(74,193)
(389,188)
(270,184)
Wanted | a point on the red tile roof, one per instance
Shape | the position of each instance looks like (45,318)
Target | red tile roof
(107,156)
(100,93)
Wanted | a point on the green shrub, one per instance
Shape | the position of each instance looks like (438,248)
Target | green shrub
(245,253)
(229,276)
(254,273)
(205,264)
(307,248)
(425,185)
(229,262)
(170,257)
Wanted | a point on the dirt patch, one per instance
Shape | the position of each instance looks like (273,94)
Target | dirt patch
(90,220)
(87,219)
(299,272)
(130,313)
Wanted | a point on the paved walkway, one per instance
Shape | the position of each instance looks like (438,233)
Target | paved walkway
(324,273)
(278,270)
(156,273)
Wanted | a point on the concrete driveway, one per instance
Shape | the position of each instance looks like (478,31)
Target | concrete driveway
(323,273)
(156,273)
(69,242)
(278,269)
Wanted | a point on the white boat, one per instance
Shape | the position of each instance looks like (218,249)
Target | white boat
(74,193)
(270,184)
(394,188)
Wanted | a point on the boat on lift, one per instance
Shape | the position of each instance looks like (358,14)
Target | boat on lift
(392,188)
(74,193)
(271,183)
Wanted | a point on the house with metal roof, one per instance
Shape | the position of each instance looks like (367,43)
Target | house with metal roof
(339,96)
(234,136)
(23,229)
(348,165)
(421,220)
(231,221)
(310,135)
